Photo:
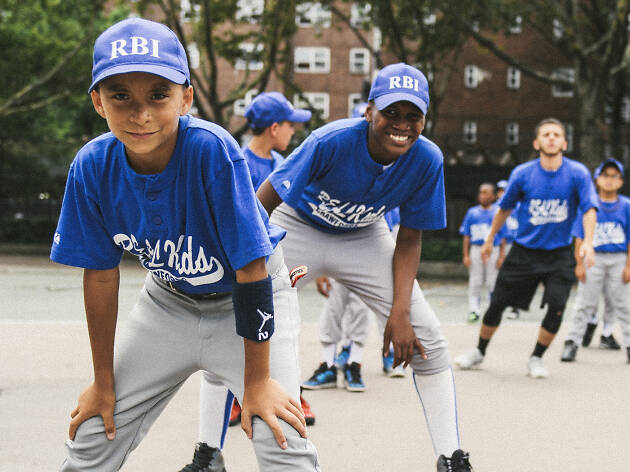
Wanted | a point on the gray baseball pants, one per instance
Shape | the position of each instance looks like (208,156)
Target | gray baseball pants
(168,337)
(603,277)
(344,317)
(481,275)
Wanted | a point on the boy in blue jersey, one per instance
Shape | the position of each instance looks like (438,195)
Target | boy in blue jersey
(509,233)
(551,190)
(474,230)
(175,192)
(331,194)
(270,116)
(611,273)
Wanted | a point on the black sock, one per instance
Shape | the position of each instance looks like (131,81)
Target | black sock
(483,344)
(539,350)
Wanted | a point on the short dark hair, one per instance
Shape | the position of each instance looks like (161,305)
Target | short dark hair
(489,184)
(547,121)
(258,131)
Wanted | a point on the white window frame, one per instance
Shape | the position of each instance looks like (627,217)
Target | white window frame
(471,76)
(249,10)
(517,26)
(513,78)
(558,91)
(247,62)
(570,135)
(316,100)
(317,58)
(188,11)
(625,109)
(310,14)
(357,65)
(241,104)
(470,132)
(360,14)
(194,56)
(512,133)
(353,100)
(557,29)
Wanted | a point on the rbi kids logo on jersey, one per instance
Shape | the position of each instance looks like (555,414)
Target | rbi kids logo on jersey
(345,214)
(174,261)
(548,211)
(139,46)
(262,335)
(479,231)
(608,232)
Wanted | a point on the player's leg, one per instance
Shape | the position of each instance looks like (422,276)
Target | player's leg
(356,317)
(586,301)
(224,356)
(616,293)
(607,340)
(475,282)
(156,350)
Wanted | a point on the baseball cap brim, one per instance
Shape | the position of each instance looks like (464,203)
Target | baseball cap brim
(299,116)
(386,100)
(166,72)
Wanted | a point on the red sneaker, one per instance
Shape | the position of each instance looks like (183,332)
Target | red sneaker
(235,414)
(308,413)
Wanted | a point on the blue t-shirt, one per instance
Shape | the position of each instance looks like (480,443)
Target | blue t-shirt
(260,167)
(193,224)
(392,217)
(477,223)
(334,184)
(612,230)
(549,201)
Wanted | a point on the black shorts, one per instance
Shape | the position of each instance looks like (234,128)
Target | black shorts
(524,268)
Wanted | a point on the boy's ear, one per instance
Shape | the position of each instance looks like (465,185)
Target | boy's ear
(189,94)
(368,112)
(97,102)
(273,128)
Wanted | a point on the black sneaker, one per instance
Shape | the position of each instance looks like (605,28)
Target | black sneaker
(628,349)
(588,334)
(458,462)
(206,459)
(570,350)
(352,377)
(608,342)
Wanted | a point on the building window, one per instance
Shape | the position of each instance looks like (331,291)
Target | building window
(312,60)
(360,14)
(317,100)
(563,91)
(250,57)
(625,110)
(517,26)
(513,78)
(241,103)
(249,10)
(470,132)
(568,129)
(557,30)
(353,100)
(312,14)
(511,134)
(189,11)
(471,76)
(359,61)
(194,57)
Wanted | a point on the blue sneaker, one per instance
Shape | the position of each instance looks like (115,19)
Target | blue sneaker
(342,357)
(388,363)
(352,378)
(323,377)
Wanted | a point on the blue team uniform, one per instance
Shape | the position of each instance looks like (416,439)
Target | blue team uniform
(260,167)
(612,230)
(476,225)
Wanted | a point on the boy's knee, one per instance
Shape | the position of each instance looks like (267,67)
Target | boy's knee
(437,361)
(300,454)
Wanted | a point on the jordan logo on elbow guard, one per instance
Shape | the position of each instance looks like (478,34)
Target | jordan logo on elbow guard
(262,335)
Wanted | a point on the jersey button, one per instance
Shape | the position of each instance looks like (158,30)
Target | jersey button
(152,196)
(157,220)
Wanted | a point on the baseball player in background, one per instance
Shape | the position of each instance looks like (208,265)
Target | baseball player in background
(175,192)
(331,194)
(509,233)
(611,273)
(551,190)
(271,118)
(474,230)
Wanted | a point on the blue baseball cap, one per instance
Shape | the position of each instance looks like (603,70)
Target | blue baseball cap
(608,162)
(359,110)
(502,184)
(139,45)
(400,82)
(273,107)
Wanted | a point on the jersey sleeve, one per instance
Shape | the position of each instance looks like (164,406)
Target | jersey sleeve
(577,230)
(241,224)
(512,193)
(427,208)
(81,238)
(586,191)
(464,228)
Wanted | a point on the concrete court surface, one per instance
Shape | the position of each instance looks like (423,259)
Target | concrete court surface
(577,420)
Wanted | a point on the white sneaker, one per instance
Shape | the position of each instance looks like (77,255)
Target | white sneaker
(536,369)
(469,360)
(398,371)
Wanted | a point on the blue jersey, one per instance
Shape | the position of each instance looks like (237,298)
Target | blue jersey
(477,223)
(260,167)
(612,230)
(392,217)
(193,224)
(334,184)
(549,202)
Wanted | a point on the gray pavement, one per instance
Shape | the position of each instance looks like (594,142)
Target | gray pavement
(576,420)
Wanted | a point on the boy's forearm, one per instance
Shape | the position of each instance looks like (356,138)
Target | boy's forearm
(100,290)
(576,252)
(588,222)
(497,223)
(465,246)
(256,362)
(268,196)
